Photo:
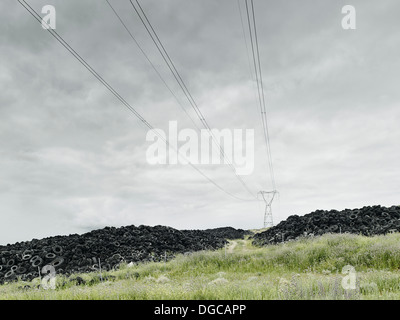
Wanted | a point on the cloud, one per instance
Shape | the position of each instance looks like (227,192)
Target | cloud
(72,157)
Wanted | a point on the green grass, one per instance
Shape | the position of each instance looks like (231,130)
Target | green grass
(304,269)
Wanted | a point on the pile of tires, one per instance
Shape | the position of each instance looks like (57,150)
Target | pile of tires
(103,249)
(229,232)
(368,221)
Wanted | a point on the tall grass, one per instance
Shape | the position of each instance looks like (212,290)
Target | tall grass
(305,269)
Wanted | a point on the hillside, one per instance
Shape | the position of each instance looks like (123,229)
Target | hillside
(368,221)
(310,268)
(105,249)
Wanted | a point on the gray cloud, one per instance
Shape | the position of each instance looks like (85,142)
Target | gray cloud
(72,158)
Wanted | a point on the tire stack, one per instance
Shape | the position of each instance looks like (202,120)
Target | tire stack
(104,248)
(368,221)
(229,232)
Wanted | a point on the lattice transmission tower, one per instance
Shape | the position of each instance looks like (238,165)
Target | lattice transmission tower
(268,197)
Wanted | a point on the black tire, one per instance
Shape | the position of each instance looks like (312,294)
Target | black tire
(37,262)
(385,215)
(324,227)
(116,256)
(57,250)
(57,262)
(353,216)
(106,267)
(10,263)
(34,258)
(9,274)
(115,267)
(50,255)
(333,228)
(28,251)
(26,256)
(21,270)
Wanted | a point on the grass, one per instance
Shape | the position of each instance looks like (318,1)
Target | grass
(304,269)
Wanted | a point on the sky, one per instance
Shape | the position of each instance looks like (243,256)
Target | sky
(73,158)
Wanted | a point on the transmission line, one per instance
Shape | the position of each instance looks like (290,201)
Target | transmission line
(117,95)
(167,59)
(151,63)
(245,38)
(260,86)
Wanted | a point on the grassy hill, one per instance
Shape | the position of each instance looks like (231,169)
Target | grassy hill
(304,269)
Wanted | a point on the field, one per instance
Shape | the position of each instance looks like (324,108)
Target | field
(305,269)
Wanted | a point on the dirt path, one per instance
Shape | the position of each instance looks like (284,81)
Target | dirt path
(232,246)
(238,245)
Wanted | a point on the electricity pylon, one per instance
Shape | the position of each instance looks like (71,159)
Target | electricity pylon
(268,197)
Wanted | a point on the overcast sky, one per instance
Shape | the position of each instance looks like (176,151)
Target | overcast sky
(73,159)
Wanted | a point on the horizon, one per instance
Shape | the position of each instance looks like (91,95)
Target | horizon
(74,160)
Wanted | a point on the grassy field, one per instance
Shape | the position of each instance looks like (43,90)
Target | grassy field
(304,269)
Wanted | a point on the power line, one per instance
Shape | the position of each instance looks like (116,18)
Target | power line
(151,63)
(83,62)
(252,78)
(167,60)
(245,38)
(268,219)
(260,87)
(116,94)
(264,113)
(166,57)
